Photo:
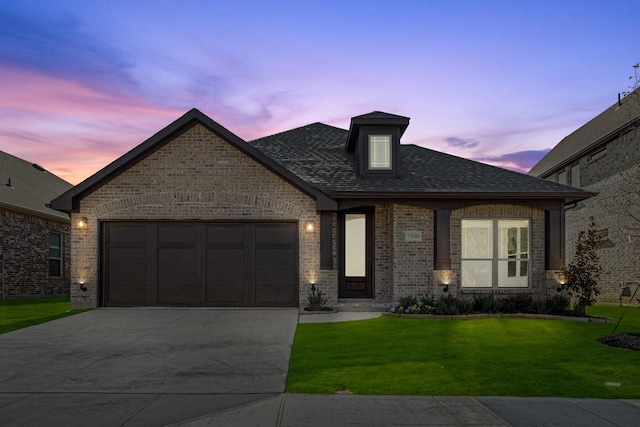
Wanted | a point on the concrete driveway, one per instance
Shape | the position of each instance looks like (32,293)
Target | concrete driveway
(143,366)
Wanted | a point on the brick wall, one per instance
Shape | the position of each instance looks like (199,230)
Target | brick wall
(197,176)
(26,238)
(619,258)
(413,257)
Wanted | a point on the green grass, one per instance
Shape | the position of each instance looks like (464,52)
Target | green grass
(21,313)
(470,357)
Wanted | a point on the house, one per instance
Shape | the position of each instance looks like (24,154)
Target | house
(196,216)
(596,157)
(34,239)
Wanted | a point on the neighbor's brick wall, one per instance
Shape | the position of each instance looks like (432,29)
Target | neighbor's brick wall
(539,281)
(26,238)
(197,176)
(619,258)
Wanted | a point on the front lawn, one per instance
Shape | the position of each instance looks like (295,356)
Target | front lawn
(20,313)
(470,357)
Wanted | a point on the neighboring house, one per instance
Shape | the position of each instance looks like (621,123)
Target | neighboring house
(196,216)
(34,239)
(595,158)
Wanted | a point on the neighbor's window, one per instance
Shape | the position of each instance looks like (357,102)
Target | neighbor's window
(597,155)
(575,175)
(55,254)
(562,177)
(495,253)
(380,152)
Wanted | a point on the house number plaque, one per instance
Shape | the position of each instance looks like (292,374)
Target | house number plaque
(413,236)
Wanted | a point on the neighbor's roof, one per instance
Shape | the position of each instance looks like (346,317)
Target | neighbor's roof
(28,188)
(316,154)
(596,132)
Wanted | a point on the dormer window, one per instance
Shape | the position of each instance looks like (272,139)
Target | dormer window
(374,141)
(380,152)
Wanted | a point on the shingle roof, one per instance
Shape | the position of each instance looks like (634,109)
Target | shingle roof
(32,187)
(594,133)
(316,154)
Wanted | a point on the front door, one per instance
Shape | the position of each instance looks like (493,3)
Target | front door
(356,234)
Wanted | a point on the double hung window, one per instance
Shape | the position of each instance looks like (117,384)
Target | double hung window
(495,253)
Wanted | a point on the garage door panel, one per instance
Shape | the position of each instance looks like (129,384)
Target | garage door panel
(127,295)
(226,276)
(274,295)
(226,235)
(275,235)
(129,234)
(127,256)
(176,234)
(274,256)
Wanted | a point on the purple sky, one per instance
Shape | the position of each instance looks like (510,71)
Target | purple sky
(82,82)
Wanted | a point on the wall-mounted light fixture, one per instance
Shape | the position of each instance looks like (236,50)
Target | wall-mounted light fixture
(82,223)
(309,226)
(83,288)
(445,289)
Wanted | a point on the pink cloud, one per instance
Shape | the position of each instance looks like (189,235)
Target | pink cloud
(70,128)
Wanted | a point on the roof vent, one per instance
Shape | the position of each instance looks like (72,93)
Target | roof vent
(9,183)
(40,168)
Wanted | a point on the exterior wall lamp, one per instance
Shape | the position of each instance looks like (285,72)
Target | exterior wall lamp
(309,227)
(83,288)
(82,223)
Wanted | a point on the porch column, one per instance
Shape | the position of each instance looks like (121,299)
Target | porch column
(326,240)
(442,237)
(554,237)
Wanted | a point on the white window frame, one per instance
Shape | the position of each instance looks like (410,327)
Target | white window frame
(380,155)
(493,271)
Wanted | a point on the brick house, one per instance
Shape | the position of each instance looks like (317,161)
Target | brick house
(596,158)
(34,239)
(196,216)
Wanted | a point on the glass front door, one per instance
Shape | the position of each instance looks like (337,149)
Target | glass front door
(355,267)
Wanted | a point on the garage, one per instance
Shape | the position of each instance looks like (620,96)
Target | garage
(234,264)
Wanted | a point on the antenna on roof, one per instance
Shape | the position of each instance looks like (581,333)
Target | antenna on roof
(619,103)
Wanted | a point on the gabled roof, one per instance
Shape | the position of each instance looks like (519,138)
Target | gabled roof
(70,201)
(316,154)
(28,188)
(600,130)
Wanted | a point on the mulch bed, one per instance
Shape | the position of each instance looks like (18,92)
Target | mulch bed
(628,341)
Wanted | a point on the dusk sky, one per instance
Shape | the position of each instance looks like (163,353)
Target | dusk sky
(83,82)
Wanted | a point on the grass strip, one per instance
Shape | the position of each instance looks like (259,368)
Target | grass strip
(21,313)
(467,357)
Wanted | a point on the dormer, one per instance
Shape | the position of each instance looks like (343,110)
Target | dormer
(374,140)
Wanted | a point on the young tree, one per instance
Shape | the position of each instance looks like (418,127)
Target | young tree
(582,274)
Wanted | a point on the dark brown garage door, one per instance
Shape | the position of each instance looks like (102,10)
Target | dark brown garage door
(197,264)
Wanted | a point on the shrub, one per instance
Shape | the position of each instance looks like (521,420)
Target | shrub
(486,304)
(521,303)
(540,306)
(428,301)
(316,300)
(557,304)
(408,301)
